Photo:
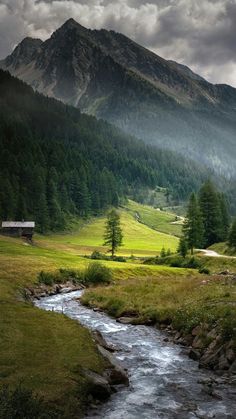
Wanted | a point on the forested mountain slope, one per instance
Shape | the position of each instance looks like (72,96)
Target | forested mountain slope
(106,74)
(56,161)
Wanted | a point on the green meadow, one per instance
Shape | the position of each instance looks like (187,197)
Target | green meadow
(45,351)
(140,238)
(155,218)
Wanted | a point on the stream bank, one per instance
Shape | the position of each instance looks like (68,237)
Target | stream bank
(205,343)
(164,382)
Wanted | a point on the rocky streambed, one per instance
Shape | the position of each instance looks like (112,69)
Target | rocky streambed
(163,381)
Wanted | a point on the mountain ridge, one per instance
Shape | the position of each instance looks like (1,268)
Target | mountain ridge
(56,162)
(108,75)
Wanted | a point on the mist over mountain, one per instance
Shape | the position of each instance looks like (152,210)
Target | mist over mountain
(106,74)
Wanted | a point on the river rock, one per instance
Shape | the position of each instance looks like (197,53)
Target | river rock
(127,320)
(223,363)
(184,340)
(102,342)
(116,374)
(230,355)
(213,334)
(196,330)
(194,354)
(233,368)
(210,359)
(99,386)
(198,343)
(177,336)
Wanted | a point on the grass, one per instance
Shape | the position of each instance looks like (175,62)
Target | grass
(139,239)
(219,264)
(186,301)
(155,219)
(43,350)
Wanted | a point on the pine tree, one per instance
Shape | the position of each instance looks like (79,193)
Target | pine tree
(8,201)
(193,226)
(83,201)
(183,247)
(163,252)
(232,235)
(115,199)
(211,213)
(225,217)
(56,216)
(64,199)
(113,236)
(41,214)
(21,212)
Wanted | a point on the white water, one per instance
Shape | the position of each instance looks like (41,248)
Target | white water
(164,382)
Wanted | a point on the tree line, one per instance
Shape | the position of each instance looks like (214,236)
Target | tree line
(207,219)
(56,162)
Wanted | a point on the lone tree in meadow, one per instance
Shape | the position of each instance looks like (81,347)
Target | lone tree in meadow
(113,236)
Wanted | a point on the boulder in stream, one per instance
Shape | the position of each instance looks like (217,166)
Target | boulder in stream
(102,342)
(99,387)
(115,374)
(127,320)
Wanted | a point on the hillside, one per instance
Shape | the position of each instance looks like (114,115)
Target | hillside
(108,75)
(56,162)
(163,221)
(140,239)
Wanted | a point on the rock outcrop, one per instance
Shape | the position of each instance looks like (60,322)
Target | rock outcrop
(208,346)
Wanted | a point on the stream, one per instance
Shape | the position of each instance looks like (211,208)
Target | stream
(164,382)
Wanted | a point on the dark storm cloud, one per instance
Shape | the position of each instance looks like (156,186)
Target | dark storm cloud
(200,33)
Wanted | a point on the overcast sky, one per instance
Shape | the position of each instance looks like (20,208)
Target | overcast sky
(199,33)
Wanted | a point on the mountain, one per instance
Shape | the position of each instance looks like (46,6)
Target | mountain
(106,74)
(56,162)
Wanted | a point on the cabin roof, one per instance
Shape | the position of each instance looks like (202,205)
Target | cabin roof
(18,224)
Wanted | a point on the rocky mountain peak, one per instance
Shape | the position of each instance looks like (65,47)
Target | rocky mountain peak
(24,52)
(108,75)
(70,25)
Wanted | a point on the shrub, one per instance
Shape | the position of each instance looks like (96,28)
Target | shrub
(97,255)
(176,262)
(46,278)
(192,263)
(61,276)
(168,252)
(71,275)
(97,273)
(163,252)
(119,259)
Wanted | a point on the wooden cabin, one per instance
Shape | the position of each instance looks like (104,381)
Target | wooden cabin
(18,228)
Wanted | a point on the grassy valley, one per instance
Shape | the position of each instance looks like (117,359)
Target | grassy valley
(141,228)
(55,347)
(140,238)
(163,221)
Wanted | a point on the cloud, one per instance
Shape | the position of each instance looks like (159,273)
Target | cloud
(200,34)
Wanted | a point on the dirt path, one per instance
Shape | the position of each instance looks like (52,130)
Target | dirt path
(212,253)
